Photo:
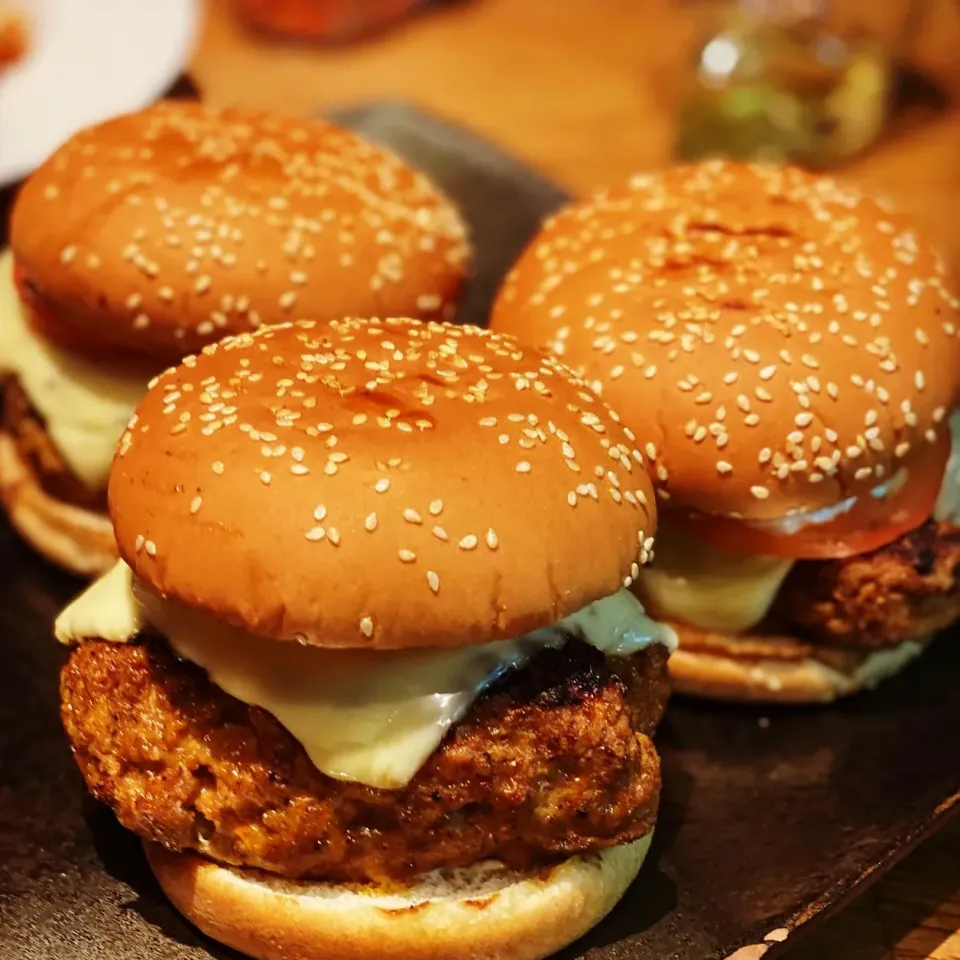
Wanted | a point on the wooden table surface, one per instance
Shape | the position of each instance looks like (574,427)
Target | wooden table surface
(585,90)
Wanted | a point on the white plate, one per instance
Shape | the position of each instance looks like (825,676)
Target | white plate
(88,60)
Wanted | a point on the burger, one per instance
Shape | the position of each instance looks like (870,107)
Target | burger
(368,679)
(789,349)
(146,237)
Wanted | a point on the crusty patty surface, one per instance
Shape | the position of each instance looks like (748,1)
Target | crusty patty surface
(555,759)
(907,590)
(22,422)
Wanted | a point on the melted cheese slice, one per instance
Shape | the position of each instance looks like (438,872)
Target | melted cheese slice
(696,583)
(85,407)
(373,718)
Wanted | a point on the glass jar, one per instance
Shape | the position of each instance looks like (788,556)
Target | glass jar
(807,80)
(329,20)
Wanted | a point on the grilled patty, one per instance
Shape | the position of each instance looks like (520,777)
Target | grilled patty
(555,759)
(22,422)
(906,590)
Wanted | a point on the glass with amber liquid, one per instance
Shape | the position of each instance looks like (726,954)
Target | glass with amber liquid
(790,79)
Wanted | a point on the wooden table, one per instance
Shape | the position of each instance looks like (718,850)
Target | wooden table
(585,90)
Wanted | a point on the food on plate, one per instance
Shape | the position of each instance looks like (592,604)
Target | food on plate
(321,19)
(144,238)
(790,348)
(13,35)
(368,679)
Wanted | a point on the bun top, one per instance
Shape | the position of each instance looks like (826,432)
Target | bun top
(165,229)
(378,483)
(782,341)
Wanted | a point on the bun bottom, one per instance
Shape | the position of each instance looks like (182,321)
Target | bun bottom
(75,538)
(775,668)
(483,912)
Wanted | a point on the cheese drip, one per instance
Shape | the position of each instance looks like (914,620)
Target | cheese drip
(713,589)
(369,717)
(85,407)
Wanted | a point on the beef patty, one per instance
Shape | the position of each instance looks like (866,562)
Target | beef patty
(22,422)
(554,759)
(906,590)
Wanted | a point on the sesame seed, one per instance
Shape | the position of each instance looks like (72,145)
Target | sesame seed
(150,547)
(366,626)
(433,580)
(469,542)
(407,556)
(493,541)
(382,485)
(370,523)
(723,467)
(320,513)
(411,516)
(218,468)
(195,504)
(315,534)
(440,533)
(761,493)
(523,467)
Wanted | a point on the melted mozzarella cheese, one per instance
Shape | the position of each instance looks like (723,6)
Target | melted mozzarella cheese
(85,407)
(713,589)
(369,717)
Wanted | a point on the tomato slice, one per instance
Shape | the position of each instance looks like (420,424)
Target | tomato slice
(870,523)
(45,322)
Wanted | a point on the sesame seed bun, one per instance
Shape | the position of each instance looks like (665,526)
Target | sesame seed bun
(782,341)
(442,484)
(766,667)
(165,229)
(73,537)
(470,913)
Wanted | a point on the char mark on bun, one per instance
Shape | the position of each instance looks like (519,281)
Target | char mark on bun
(791,346)
(146,237)
(336,651)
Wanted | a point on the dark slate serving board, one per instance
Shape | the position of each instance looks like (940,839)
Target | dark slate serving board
(770,818)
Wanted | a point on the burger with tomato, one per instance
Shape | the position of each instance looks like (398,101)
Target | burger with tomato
(144,238)
(791,347)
